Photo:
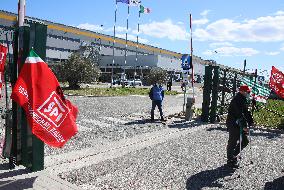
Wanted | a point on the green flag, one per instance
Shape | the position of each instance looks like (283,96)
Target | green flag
(259,92)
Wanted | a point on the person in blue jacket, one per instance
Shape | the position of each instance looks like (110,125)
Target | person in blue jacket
(157,95)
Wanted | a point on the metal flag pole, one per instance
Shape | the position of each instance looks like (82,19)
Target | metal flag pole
(191,53)
(136,58)
(113,44)
(125,52)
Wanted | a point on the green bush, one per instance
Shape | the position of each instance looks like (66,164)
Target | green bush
(264,116)
(156,75)
(82,66)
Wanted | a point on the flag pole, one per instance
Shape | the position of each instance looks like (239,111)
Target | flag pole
(111,84)
(136,59)
(125,52)
(191,53)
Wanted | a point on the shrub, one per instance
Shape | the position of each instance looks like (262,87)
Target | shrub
(80,67)
(156,75)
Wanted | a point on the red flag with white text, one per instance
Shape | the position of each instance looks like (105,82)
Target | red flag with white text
(50,115)
(277,82)
(3,54)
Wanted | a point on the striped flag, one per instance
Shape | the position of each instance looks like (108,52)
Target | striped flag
(134,3)
(144,10)
(122,1)
(260,93)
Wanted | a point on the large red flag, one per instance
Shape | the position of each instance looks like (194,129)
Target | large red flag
(277,82)
(3,54)
(51,117)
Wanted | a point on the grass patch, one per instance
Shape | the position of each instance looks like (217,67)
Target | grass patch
(116,91)
(266,118)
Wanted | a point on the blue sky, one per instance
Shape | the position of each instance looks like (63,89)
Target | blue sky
(223,30)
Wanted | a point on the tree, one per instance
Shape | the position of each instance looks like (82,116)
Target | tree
(82,66)
(157,75)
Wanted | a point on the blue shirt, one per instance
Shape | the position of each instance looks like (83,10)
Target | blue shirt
(157,93)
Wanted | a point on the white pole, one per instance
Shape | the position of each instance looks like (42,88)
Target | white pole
(136,59)
(21,12)
(113,43)
(191,52)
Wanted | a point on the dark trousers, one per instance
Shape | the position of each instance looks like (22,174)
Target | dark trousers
(233,147)
(169,87)
(157,103)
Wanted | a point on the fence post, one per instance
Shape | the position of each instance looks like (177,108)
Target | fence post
(39,32)
(26,148)
(215,85)
(206,93)
(223,93)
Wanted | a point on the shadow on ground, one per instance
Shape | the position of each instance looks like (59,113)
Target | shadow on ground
(276,184)
(208,178)
(264,132)
(6,172)
(180,124)
(17,184)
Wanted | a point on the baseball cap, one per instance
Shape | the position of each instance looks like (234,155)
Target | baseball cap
(244,88)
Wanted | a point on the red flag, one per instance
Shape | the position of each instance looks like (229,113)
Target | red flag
(277,82)
(51,117)
(3,54)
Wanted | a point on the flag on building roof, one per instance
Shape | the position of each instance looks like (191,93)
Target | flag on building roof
(276,82)
(258,92)
(134,2)
(122,1)
(52,118)
(144,10)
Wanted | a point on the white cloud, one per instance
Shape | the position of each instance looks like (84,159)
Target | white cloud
(205,13)
(165,29)
(279,13)
(231,51)
(91,27)
(272,53)
(100,28)
(203,20)
(200,21)
(218,44)
(262,29)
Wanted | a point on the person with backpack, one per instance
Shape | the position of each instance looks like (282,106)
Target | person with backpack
(157,95)
(238,119)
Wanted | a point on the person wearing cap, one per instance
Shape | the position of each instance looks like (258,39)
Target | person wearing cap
(238,109)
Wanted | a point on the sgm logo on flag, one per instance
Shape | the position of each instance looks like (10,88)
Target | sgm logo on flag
(54,109)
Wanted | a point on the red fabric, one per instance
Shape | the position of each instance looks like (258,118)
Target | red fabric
(277,82)
(3,54)
(51,117)
(244,88)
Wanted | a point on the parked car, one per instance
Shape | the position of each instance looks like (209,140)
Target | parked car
(115,81)
(138,82)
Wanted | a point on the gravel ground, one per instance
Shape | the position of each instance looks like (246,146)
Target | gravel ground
(194,161)
(105,119)
(175,155)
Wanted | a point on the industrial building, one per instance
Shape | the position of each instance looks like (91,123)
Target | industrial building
(62,40)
